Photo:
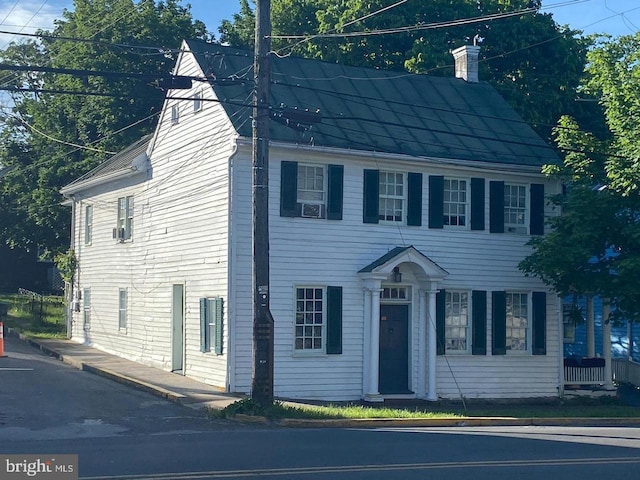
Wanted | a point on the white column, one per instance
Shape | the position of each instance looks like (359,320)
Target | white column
(432,394)
(423,318)
(629,340)
(606,345)
(591,339)
(560,345)
(366,361)
(374,349)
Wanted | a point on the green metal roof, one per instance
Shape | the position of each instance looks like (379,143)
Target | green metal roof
(376,110)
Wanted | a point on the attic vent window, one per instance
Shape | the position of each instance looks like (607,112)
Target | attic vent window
(197,102)
(175,114)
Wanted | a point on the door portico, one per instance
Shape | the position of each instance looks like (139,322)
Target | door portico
(425,277)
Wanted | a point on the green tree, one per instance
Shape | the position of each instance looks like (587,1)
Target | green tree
(41,130)
(533,62)
(594,248)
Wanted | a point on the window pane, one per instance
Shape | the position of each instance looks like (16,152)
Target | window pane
(455,202)
(456,321)
(391,199)
(309,318)
(517,321)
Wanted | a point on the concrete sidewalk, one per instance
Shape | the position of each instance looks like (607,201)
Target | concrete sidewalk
(172,386)
(191,393)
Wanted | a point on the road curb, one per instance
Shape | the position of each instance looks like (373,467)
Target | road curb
(104,372)
(457,422)
(185,400)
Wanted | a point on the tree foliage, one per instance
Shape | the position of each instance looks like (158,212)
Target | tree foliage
(41,130)
(533,62)
(594,248)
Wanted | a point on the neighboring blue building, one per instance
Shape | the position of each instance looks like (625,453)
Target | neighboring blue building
(619,340)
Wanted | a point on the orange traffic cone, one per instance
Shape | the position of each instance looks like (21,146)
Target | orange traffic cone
(2,340)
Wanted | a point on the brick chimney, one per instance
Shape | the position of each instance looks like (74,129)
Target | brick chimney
(466,58)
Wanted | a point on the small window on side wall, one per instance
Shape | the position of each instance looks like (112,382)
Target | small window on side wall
(211,322)
(88,224)
(175,114)
(198,103)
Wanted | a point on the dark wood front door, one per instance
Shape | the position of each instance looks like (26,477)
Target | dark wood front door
(394,349)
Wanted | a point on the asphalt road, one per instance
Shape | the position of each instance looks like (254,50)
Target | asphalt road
(47,407)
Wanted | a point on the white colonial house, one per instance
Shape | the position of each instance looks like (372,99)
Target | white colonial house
(400,207)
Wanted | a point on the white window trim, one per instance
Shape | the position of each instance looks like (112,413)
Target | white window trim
(467,203)
(325,190)
(322,351)
(467,351)
(528,350)
(403,215)
(392,301)
(88,224)
(175,114)
(198,101)
(527,211)
(125,222)
(86,309)
(123,310)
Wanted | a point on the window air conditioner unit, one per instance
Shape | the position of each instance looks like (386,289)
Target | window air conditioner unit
(312,210)
(118,233)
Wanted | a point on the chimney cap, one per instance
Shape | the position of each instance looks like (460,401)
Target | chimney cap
(466,62)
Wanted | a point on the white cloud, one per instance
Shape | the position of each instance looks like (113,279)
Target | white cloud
(27,16)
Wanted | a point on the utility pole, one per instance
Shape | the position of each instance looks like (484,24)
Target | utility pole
(262,384)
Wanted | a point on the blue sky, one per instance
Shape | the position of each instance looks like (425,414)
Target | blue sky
(616,17)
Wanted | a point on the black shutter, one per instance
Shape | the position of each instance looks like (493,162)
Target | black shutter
(334,320)
(479,322)
(371,196)
(334,193)
(288,189)
(536,224)
(441,300)
(477,204)
(496,207)
(414,199)
(436,201)
(539,321)
(499,323)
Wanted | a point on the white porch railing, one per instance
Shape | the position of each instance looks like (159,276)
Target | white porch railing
(626,371)
(586,372)
(583,375)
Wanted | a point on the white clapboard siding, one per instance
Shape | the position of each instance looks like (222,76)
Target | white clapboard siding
(180,236)
(323,252)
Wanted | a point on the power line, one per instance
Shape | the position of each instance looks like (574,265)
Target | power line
(411,28)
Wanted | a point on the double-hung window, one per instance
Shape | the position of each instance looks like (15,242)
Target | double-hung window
(88,224)
(318,320)
(311,192)
(392,198)
(457,328)
(455,205)
(122,309)
(125,218)
(515,208)
(310,311)
(86,309)
(518,325)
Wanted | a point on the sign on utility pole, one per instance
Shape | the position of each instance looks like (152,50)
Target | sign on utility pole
(262,385)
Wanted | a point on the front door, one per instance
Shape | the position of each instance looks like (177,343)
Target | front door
(394,349)
(177,328)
